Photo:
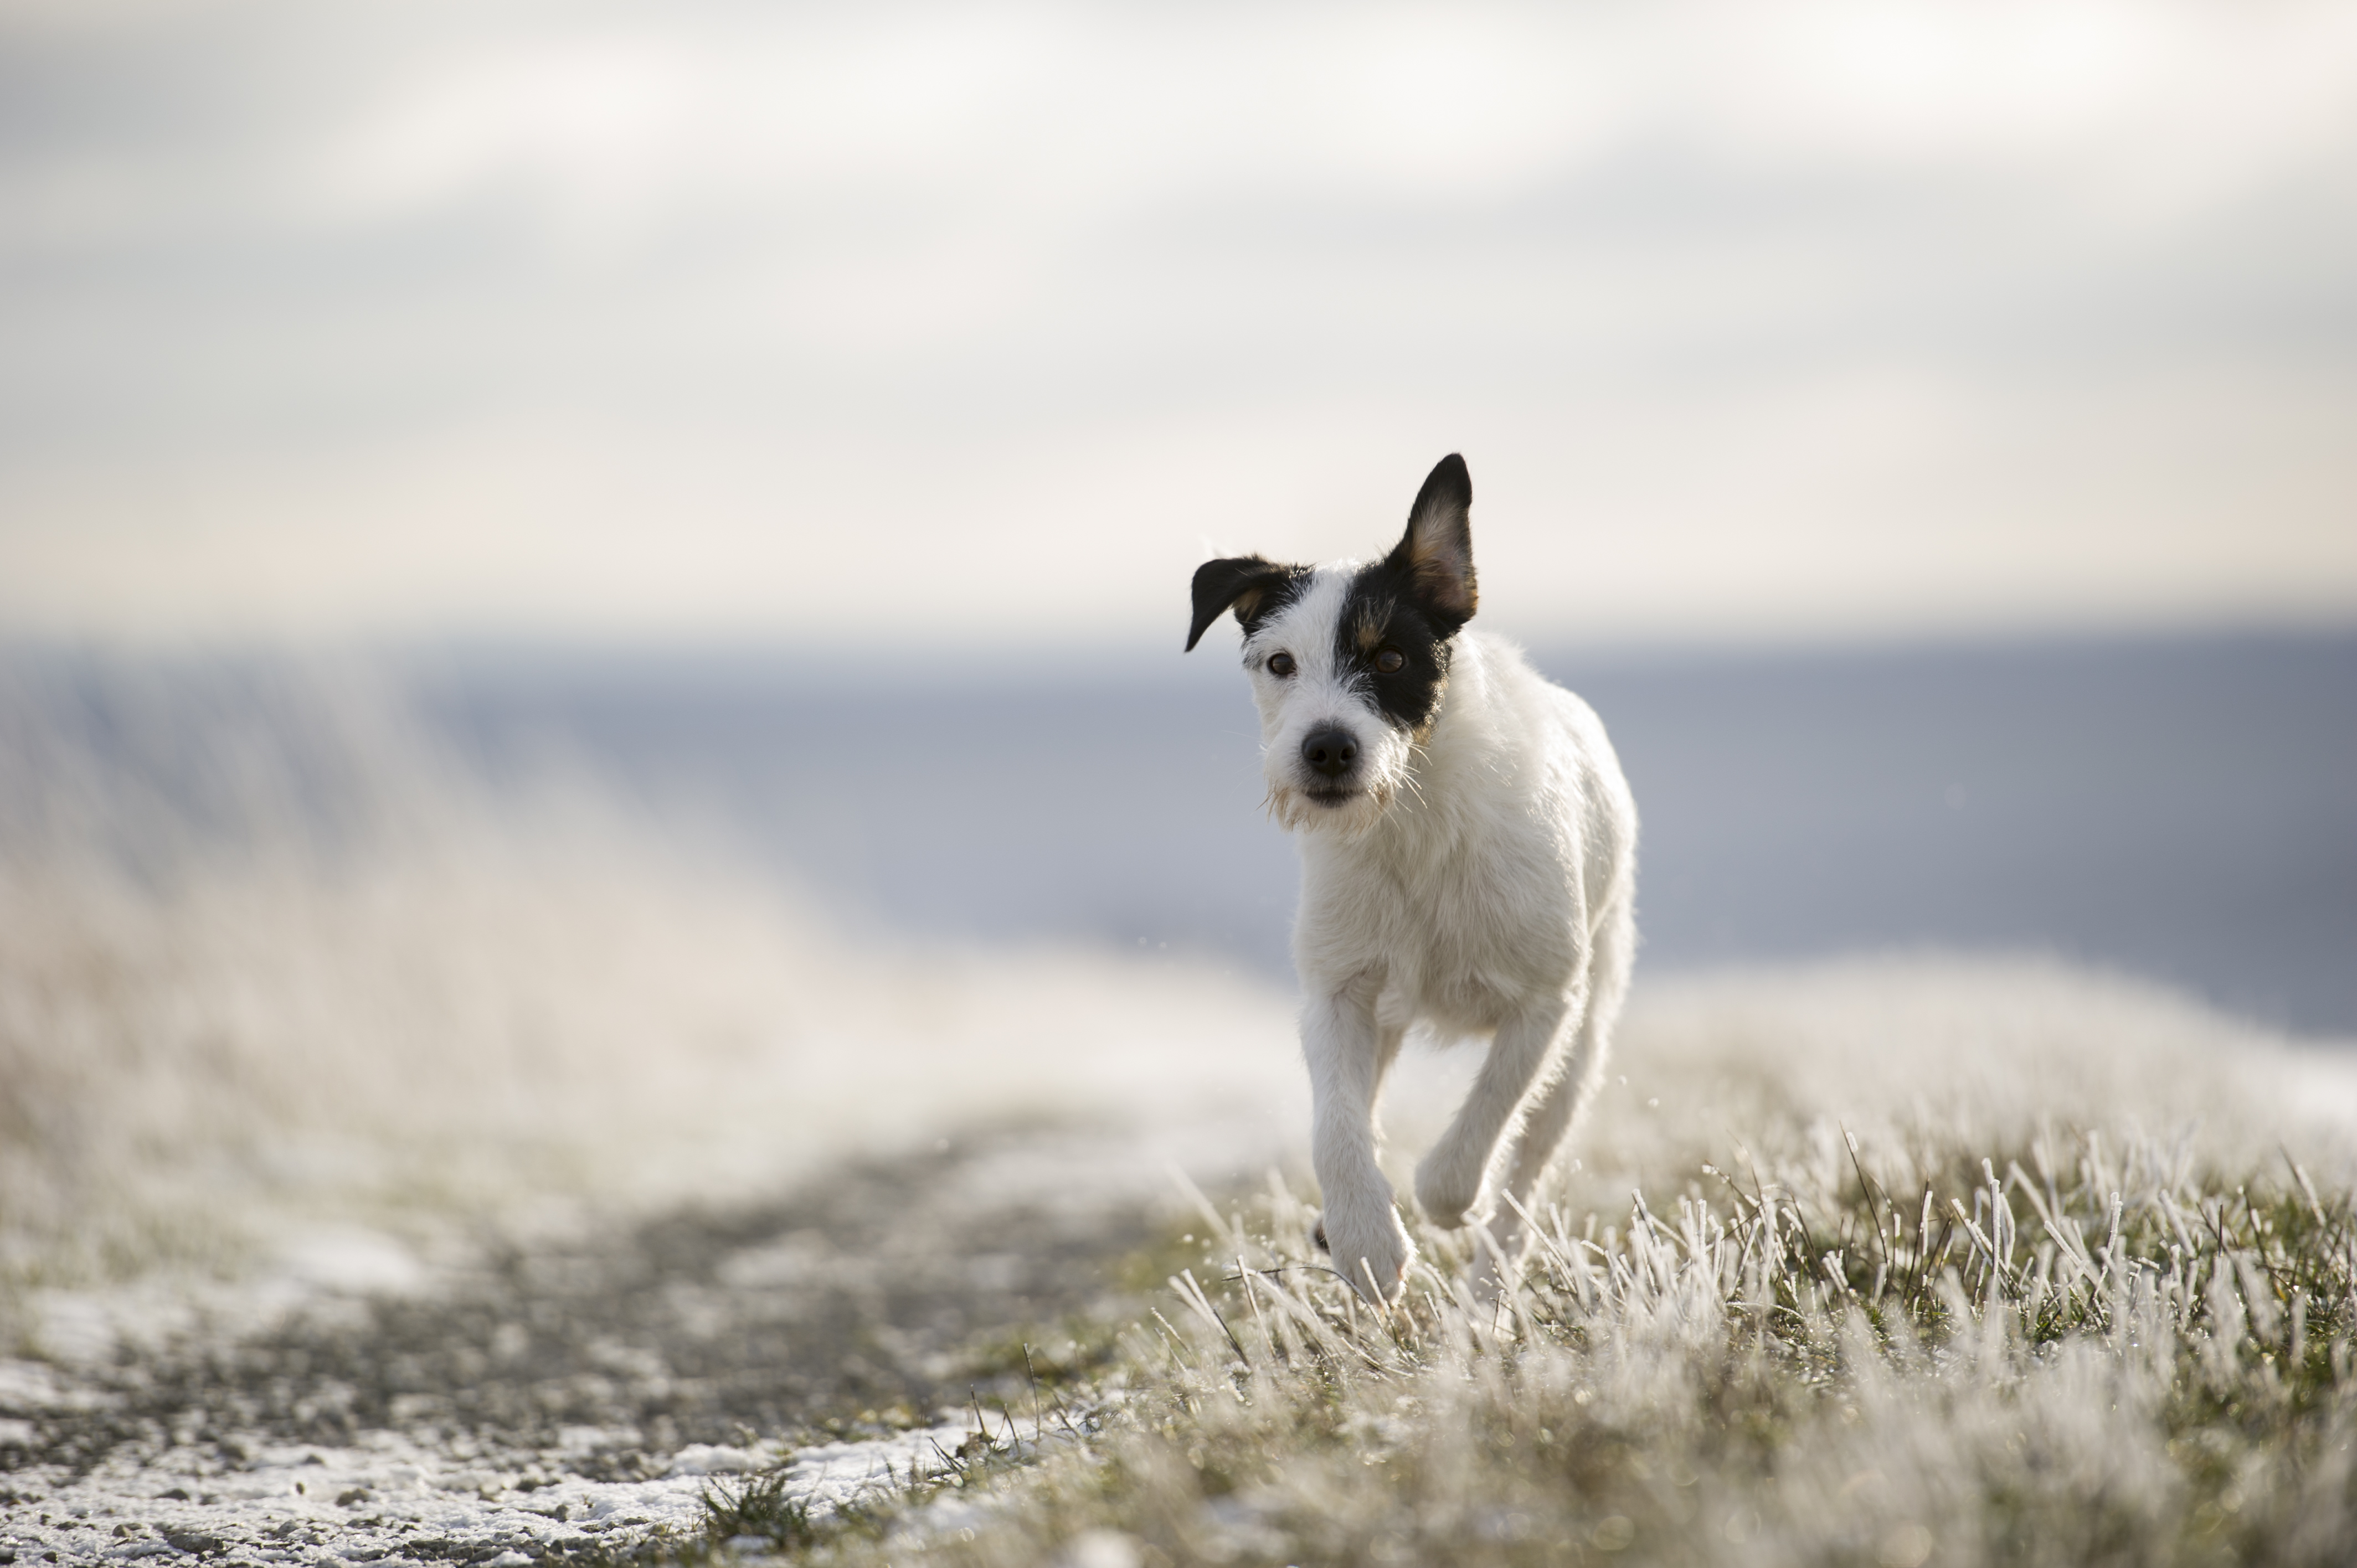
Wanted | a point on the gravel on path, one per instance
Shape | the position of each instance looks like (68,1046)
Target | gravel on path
(576,1398)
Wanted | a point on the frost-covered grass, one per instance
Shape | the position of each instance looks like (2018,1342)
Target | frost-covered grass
(2083,1349)
(2052,1303)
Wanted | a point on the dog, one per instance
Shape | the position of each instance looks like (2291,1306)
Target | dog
(1467,862)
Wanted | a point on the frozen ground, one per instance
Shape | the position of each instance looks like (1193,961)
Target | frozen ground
(582,1394)
(391,1498)
(573,1390)
(471,1145)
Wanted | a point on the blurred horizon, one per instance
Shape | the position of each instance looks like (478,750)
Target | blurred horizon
(1148,650)
(2182,809)
(979,326)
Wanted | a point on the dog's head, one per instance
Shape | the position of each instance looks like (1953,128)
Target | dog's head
(1348,662)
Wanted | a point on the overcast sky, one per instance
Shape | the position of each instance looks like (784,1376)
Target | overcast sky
(981,324)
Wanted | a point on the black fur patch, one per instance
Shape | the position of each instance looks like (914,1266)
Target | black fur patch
(1413,601)
(1384,610)
(1438,544)
(1257,589)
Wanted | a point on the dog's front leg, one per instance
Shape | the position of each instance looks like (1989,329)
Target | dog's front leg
(1339,1039)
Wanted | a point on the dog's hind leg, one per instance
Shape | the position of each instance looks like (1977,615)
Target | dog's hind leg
(1347,1051)
(1448,1181)
(1566,1091)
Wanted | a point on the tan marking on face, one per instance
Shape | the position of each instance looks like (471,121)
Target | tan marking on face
(1423,732)
(1373,621)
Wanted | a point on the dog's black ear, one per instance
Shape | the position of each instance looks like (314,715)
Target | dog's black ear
(1437,550)
(1238,581)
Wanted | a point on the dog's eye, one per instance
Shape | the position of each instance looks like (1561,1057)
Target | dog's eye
(1390,660)
(1281,665)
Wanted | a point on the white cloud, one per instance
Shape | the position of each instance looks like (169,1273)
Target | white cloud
(412,315)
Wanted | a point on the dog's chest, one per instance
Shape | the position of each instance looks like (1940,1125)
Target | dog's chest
(1466,934)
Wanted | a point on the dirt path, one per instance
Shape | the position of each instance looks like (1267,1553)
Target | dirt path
(577,1397)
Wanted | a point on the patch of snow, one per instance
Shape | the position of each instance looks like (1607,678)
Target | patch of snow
(835,1472)
(27,1387)
(788,1261)
(711,1459)
(1101,1549)
(388,1494)
(590,1439)
(346,1259)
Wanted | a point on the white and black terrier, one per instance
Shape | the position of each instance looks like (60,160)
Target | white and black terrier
(1467,863)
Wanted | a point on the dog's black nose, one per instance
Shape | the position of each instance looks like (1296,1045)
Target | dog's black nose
(1330,751)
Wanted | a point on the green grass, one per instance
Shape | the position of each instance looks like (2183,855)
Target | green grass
(2088,1348)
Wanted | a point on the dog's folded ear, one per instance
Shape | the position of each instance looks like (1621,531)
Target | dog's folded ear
(1437,550)
(1238,581)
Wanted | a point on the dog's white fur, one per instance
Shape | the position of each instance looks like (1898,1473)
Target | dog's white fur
(1483,883)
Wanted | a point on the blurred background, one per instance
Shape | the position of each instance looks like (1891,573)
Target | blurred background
(784,434)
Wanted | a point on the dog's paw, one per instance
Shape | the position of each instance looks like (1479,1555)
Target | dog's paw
(1446,1193)
(1372,1255)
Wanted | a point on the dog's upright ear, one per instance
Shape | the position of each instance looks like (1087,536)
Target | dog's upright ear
(1437,552)
(1239,581)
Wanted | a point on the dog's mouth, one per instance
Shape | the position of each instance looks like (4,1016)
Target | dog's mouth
(1343,805)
